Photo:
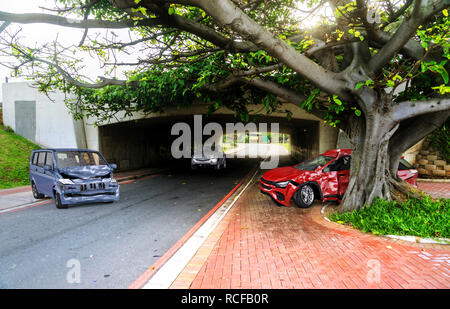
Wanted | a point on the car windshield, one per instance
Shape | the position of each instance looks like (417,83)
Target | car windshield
(312,164)
(78,158)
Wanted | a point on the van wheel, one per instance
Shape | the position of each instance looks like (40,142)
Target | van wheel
(36,194)
(304,196)
(58,202)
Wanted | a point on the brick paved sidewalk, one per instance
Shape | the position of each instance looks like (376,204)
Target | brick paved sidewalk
(260,245)
(435,189)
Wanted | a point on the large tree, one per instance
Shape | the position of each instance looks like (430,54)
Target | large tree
(376,69)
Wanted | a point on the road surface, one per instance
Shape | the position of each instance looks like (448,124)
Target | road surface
(109,245)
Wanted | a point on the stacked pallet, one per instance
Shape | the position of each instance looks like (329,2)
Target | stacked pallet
(430,163)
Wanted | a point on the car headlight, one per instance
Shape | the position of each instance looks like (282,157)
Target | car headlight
(65,181)
(282,184)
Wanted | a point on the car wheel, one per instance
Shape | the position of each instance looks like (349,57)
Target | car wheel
(58,202)
(224,163)
(304,196)
(36,194)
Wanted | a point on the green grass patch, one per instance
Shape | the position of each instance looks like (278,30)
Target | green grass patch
(424,217)
(14,159)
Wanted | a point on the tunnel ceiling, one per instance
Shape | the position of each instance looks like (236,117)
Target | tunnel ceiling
(287,126)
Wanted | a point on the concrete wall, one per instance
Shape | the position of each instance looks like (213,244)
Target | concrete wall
(53,125)
(305,142)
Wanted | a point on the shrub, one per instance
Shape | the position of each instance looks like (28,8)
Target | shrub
(424,217)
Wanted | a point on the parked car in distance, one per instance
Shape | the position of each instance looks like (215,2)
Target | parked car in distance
(215,159)
(324,177)
(72,176)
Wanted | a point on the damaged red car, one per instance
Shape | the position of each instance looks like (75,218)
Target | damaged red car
(324,177)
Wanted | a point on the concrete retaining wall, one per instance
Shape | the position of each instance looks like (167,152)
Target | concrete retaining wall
(53,126)
(430,163)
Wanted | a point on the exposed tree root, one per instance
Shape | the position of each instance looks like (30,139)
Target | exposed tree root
(402,191)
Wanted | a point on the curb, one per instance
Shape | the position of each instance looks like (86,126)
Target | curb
(150,273)
(15,190)
(409,238)
(433,180)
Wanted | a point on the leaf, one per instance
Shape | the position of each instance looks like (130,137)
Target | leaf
(358,85)
(171,11)
(445,12)
(444,75)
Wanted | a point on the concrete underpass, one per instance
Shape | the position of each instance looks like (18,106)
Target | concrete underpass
(147,142)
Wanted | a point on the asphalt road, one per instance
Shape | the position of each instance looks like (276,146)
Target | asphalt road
(109,245)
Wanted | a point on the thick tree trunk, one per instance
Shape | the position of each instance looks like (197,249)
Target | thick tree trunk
(370,175)
(378,143)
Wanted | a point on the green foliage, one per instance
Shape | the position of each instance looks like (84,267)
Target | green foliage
(440,140)
(422,217)
(177,66)
(14,159)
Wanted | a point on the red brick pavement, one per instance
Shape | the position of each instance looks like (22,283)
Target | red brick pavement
(260,245)
(435,189)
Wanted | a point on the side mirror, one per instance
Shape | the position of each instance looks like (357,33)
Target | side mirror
(48,168)
(113,166)
(318,168)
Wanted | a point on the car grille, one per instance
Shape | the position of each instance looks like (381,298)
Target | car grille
(266,187)
(268,182)
(280,196)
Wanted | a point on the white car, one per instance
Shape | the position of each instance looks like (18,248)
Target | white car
(215,160)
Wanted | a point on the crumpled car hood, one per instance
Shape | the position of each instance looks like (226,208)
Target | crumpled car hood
(282,174)
(86,172)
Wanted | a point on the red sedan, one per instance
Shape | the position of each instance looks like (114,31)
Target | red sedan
(324,177)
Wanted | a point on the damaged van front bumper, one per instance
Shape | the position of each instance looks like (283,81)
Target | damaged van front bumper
(93,191)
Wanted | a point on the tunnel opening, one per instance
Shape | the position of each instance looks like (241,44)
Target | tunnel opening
(256,144)
(148,142)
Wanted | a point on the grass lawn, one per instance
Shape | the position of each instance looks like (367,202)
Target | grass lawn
(14,159)
(424,217)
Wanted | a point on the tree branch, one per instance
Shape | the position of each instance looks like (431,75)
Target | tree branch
(227,14)
(410,132)
(409,109)
(423,10)
(32,18)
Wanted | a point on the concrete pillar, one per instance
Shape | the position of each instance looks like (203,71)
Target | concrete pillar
(327,137)
(92,135)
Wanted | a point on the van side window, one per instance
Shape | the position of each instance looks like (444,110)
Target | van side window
(49,159)
(41,159)
(35,158)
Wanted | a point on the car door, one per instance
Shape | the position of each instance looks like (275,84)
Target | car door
(33,165)
(335,178)
(48,175)
(343,174)
(38,171)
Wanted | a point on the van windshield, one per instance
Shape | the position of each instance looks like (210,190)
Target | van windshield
(312,164)
(78,158)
